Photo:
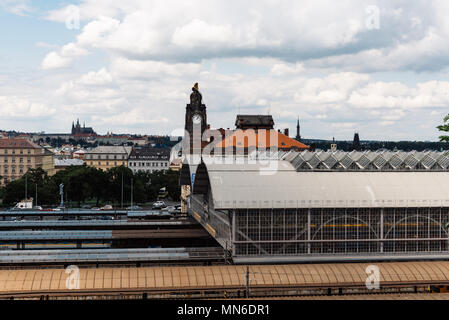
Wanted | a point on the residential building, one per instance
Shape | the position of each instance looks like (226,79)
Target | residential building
(257,121)
(106,157)
(61,164)
(79,154)
(138,141)
(112,139)
(149,159)
(17,156)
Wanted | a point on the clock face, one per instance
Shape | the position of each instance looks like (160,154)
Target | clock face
(196,119)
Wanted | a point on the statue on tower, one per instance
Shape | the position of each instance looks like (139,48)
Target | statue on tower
(195,97)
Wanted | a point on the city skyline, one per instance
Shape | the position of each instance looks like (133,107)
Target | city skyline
(372,67)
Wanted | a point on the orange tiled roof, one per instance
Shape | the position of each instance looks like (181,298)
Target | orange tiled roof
(252,139)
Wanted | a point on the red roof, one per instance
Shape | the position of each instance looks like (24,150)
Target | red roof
(253,138)
(18,144)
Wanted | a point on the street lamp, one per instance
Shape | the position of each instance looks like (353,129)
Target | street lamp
(132,193)
(122,192)
(61,193)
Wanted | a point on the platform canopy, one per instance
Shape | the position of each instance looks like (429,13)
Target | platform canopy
(277,184)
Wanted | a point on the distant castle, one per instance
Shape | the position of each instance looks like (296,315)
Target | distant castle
(77,129)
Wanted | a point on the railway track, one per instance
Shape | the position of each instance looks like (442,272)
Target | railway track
(33,235)
(111,256)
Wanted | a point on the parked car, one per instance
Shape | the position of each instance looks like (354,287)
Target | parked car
(159,205)
(168,209)
(86,206)
(107,207)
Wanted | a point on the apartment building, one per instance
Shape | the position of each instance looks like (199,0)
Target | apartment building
(149,159)
(106,157)
(17,156)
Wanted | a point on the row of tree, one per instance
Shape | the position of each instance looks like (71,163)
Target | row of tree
(83,183)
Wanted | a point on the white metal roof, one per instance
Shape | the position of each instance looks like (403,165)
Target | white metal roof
(279,185)
(368,160)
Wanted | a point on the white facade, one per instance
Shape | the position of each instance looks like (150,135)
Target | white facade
(149,159)
(148,165)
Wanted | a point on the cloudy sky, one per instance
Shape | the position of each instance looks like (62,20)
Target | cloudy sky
(376,67)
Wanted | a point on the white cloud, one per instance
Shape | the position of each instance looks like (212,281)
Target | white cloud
(64,57)
(54,60)
(343,125)
(290,31)
(333,89)
(123,67)
(398,95)
(95,32)
(282,69)
(102,77)
(198,33)
(16,107)
(18,7)
(137,60)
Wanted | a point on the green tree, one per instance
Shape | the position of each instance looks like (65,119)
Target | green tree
(14,192)
(114,184)
(83,183)
(98,180)
(445,128)
(173,188)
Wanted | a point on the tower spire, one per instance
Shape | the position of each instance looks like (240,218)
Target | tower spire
(356,142)
(298,131)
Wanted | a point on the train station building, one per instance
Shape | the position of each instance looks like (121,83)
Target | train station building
(271,204)
(324,206)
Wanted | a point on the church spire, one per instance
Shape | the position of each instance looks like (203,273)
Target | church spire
(356,142)
(298,131)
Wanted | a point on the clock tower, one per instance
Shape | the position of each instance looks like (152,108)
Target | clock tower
(196,121)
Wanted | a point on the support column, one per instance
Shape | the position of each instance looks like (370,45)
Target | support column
(309,220)
(381,229)
(233,231)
